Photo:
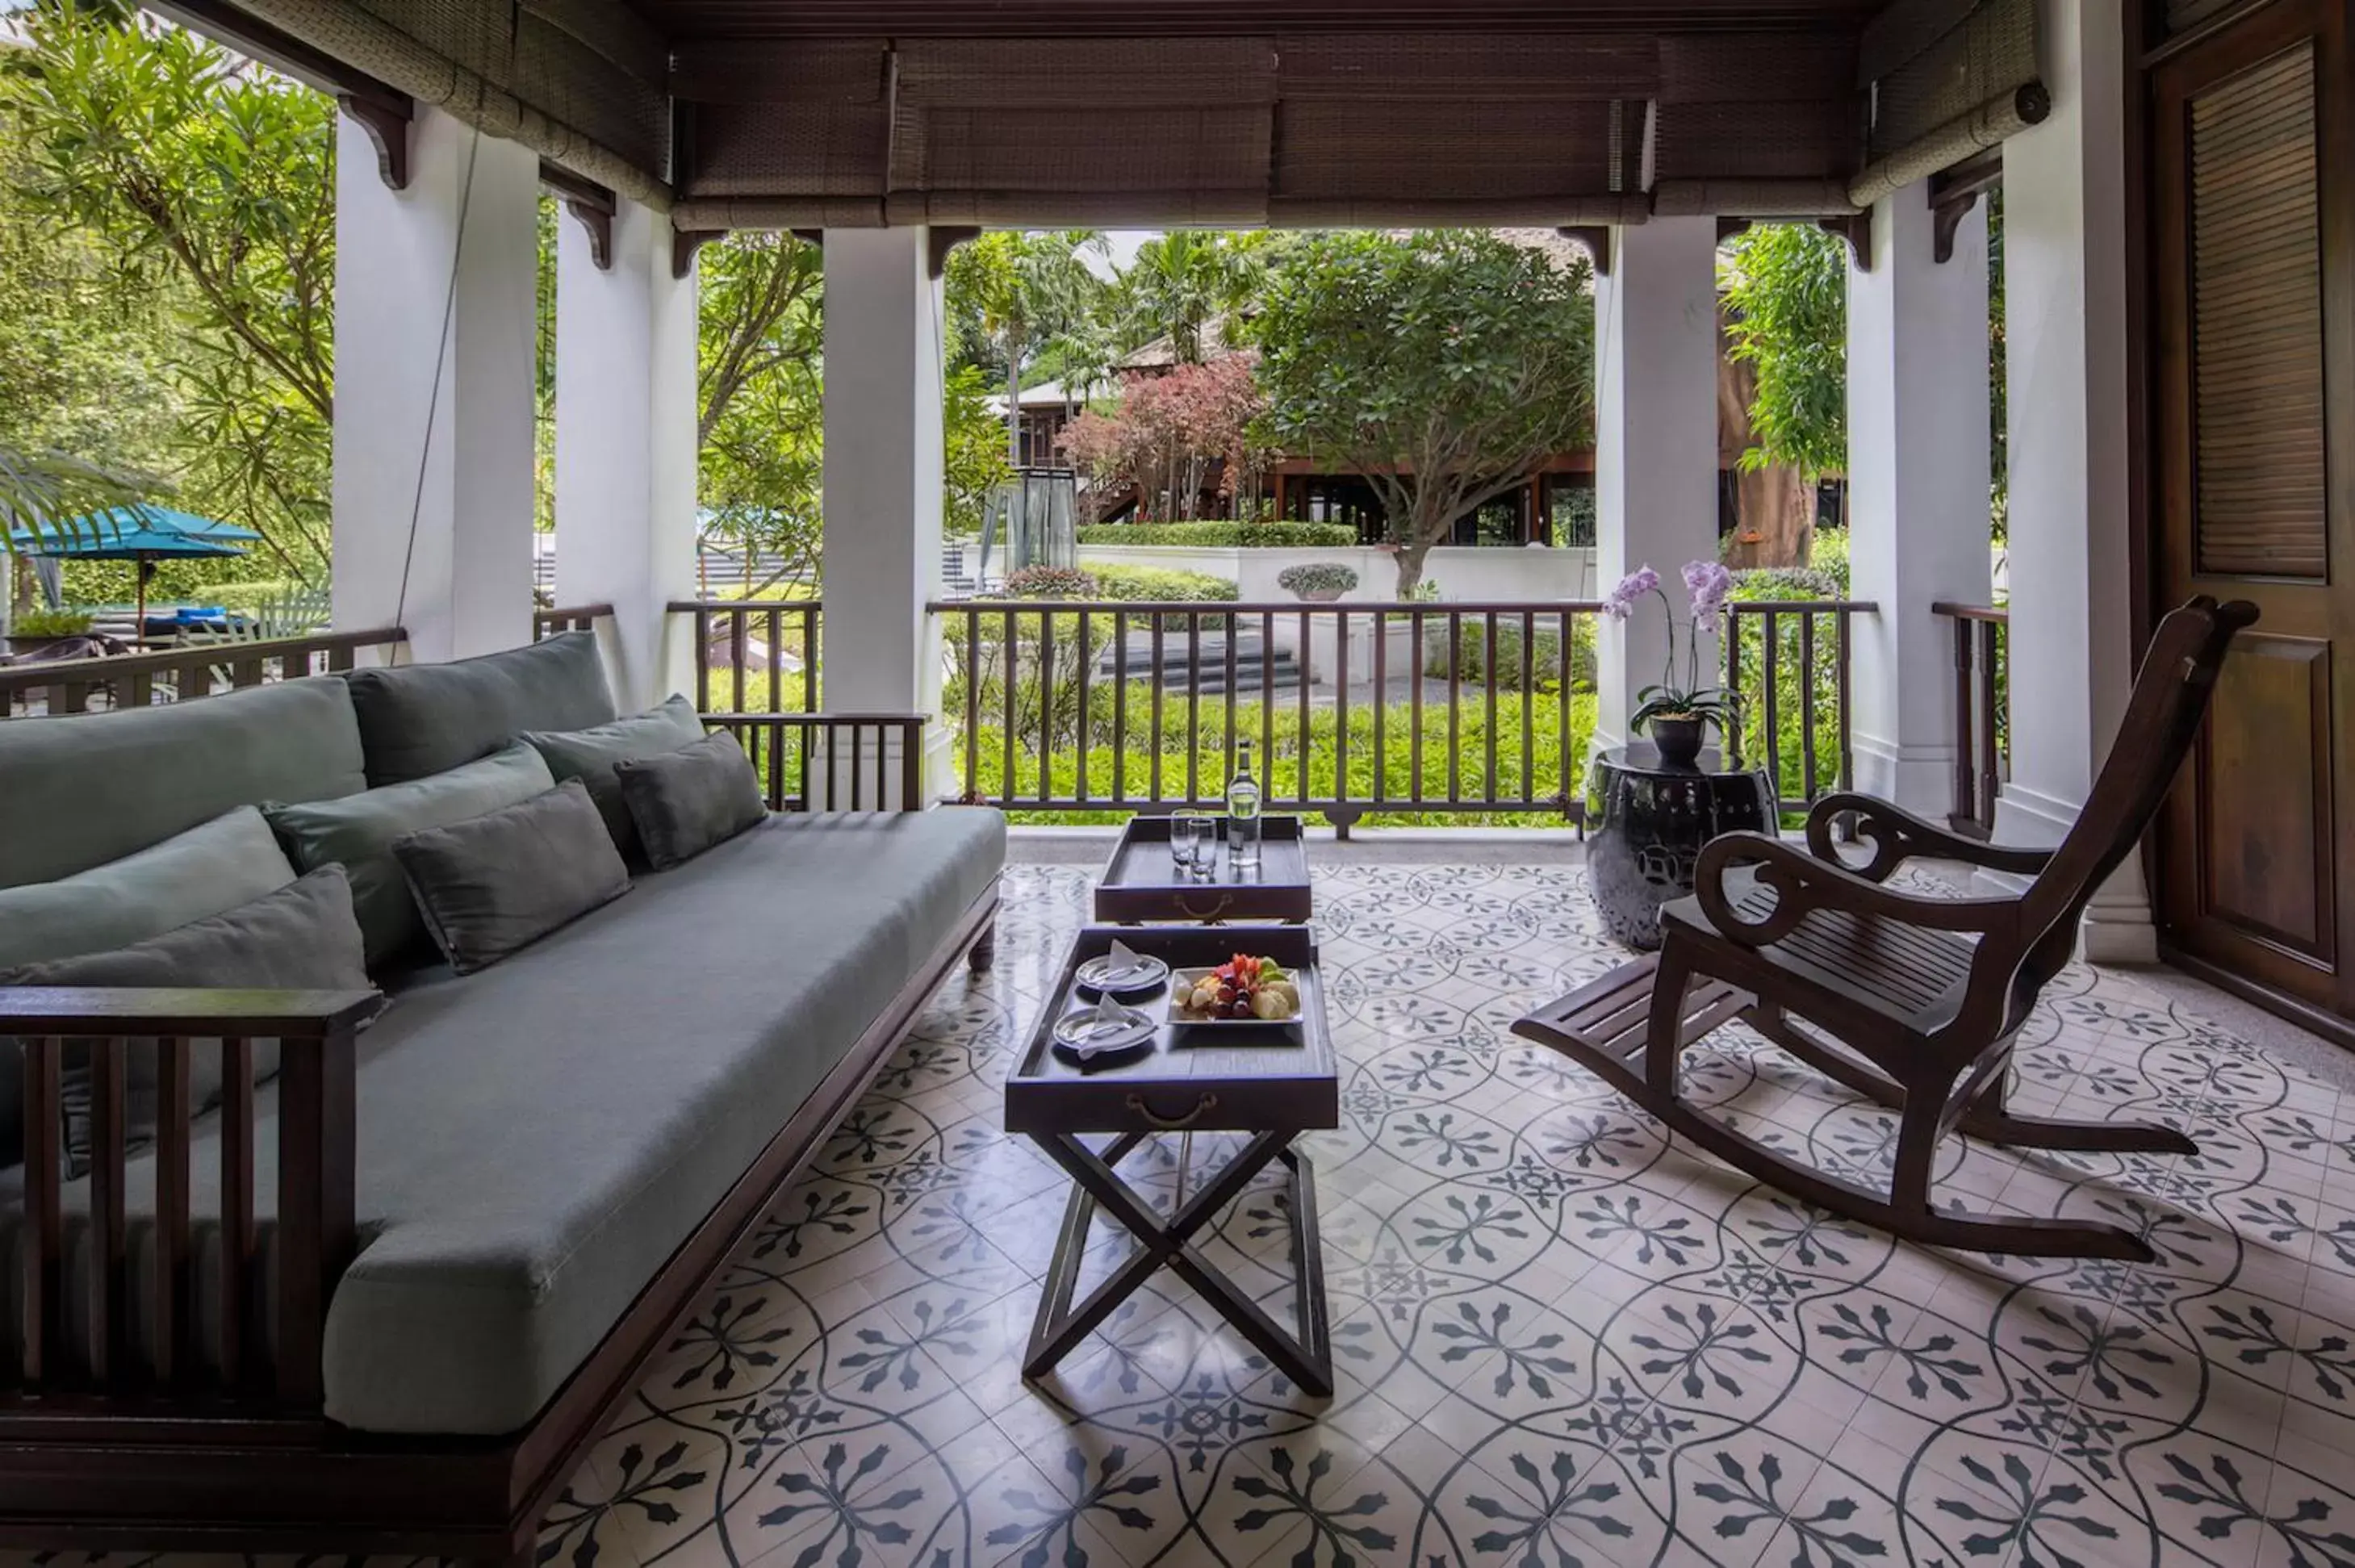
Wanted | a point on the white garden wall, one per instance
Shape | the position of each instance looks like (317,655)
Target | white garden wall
(1493,574)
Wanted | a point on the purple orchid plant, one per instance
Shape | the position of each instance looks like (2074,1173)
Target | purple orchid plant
(1708,585)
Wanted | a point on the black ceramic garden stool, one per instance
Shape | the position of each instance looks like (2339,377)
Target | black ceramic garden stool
(1647,820)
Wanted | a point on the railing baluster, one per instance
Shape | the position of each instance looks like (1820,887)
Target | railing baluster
(858,768)
(736,637)
(1194,711)
(776,659)
(43,1352)
(1381,704)
(1773,743)
(237,1208)
(1966,727)
(1808,705)
(1732,683)
(1414,746)
(1012,721)
(1842,628)
(1232,635)
(1564,765)
(702,659)
(976,677)
(912,767)
(1086,670)
(1454,706)
(1529,707)
(1341,711)
(1160,656)
(174,1282)
(317,1236)
(1488,665)
(1307,732)
(109,1162)
(1119,706)
(1046,705)
(1267,697)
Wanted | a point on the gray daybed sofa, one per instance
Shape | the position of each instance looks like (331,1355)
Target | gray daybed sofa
(542,1161)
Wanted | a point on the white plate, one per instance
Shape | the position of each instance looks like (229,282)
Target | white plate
(1148,975)
(1181,986)
(1077,1034)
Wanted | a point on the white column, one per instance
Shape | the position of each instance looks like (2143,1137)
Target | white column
(2071,589)
(1918,503)
(1656,442)
(884,365)
(433,487)
(625,446)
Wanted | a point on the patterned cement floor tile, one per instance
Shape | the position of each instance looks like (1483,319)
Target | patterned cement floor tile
(1560,1338)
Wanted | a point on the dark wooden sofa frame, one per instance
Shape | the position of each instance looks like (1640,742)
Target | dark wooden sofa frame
(105,1446)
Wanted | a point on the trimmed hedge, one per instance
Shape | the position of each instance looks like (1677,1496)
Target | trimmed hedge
(1153,585)
(1225,536)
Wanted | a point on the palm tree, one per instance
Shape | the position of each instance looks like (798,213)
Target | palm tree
(48,490)
(1024,291)
(1183,281)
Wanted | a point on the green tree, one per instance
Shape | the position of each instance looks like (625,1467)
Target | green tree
(1185,281)
(1786,292)
(975,459)
(761,396)
(1012,294)
(1445,367)
(209,185)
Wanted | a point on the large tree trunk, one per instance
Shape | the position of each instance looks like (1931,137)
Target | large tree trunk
(1014,410)
(1774,507)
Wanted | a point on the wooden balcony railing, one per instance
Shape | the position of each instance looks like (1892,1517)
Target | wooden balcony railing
(1787,662)
(575,618)
(833,762)
(1982,713)
(97,1334)
(177,675)
(756,655)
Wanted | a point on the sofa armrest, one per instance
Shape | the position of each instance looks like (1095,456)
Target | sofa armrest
(269,1348)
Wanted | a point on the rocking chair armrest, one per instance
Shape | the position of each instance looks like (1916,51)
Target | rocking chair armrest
(1898,836)
(1802,884)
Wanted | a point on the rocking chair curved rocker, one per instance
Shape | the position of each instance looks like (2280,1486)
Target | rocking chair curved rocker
(1912,1002)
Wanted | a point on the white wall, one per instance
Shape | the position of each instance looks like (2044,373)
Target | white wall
(1464,573)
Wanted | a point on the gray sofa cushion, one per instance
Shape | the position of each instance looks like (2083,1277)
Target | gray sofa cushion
(687,801)
(223,863)
(358,832)
(417,720)
(88,788)
(492,886)
(590,755)
(301,937)
(537,1139)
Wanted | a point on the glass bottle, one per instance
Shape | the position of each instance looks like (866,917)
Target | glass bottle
(1242,813)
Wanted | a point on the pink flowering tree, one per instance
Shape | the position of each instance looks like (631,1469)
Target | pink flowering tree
(1178,437)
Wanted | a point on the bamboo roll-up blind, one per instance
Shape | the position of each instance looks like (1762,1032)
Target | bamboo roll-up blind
(551,85)
(1943,79)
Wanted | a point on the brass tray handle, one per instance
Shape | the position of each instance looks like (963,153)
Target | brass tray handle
(1202,1107)
(1186,904)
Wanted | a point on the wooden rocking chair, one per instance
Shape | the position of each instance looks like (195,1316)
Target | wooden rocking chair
(1913,1001)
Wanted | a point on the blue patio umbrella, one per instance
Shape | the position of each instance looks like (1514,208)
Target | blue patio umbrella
(142,533)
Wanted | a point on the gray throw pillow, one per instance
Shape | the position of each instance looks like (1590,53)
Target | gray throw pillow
(301,938)
(590,755)
(690,800)
(357,831)
(227,861)
(420,719)
(497,884)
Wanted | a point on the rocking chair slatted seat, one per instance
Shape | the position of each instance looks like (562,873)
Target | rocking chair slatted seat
(1913,1002)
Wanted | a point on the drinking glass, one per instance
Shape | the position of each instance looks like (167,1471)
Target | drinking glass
(1202,834)
(1185,842)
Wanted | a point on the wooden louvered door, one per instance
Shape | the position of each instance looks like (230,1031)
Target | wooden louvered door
(2254,312)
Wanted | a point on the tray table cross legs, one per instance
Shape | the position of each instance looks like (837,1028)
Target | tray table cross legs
(1304,1356)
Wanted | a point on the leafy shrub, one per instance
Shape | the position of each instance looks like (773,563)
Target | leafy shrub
(1155,584)
(50,624)
(1317,577)
(1759,582)
(1225,536)
(1050,582)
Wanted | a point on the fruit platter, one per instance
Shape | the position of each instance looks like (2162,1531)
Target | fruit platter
(1243,990)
